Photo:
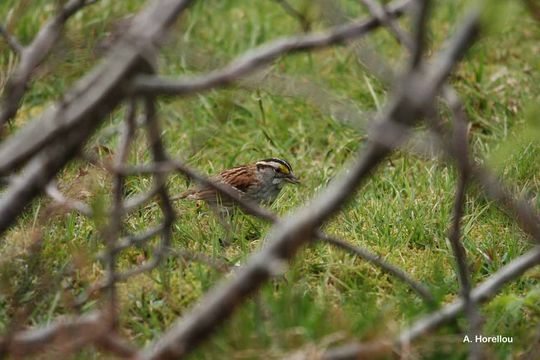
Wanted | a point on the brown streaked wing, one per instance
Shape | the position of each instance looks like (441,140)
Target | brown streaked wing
(240,177)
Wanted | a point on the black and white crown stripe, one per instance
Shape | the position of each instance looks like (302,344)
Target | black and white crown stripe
(272,162)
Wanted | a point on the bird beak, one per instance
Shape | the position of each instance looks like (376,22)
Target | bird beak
(292,179)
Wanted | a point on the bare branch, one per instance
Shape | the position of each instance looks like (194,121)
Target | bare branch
(289,9)
(526,216)
(83,330)
(420,23)
(69,334)
(75,118)
(300,228)
(31,56)
(369,350)
(56,195)
(258,211)
(114,229)
(461,153)
(381,13)
(138,239)
(11,40)
(419,288)
(160,180)
(216,264)
(259,57)
(114,344)
(534,9)
(45,146)
(160,183)
(480,294)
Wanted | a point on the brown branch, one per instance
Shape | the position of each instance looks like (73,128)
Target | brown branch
(130,204)
(420,23)
(527,217)
(386,267)
(11,40)
(260,212)
(31,56)
(68,334)
(481,293)
(427,324)
(534,9)
(138,239)
(74,119)
(56,195)
(378,349)
(83,330)
(461,154)
(304,21)
(114,344)
(53,192)
(160,180)
(298,229)
(160,183)
(114,229)
(216,264)
(461,262)
(382,14)
(259,57)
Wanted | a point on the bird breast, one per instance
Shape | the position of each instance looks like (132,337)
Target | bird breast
(267,193)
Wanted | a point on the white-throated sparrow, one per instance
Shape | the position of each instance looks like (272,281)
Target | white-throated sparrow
(260,182)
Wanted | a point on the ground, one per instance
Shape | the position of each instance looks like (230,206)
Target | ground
(313,110)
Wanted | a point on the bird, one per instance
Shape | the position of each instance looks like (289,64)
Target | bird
(260,182)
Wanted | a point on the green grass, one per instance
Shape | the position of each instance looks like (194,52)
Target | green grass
(402,213)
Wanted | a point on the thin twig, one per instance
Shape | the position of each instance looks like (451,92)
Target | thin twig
(381,13)
(461,154)
(31,56)
(54,139)
(527,217)
(534,9)
(138,239)
(160,180)
(289,9)
(419,288)
(481,293)
(299,228)
(420,23)
(11,40)
(82,329)
(427,324)
(56,195)
(259,57)
(114,228)
(258,211)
